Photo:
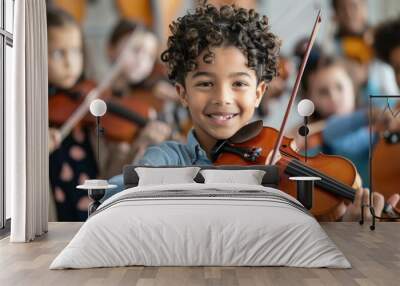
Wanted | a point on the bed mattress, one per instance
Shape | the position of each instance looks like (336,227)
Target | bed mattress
(201,225)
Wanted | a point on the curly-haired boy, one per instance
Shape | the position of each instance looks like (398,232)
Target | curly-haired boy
(220,61)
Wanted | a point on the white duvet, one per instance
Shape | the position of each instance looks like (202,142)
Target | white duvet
(201,224)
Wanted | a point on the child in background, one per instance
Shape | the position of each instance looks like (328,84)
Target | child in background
(73,160)
(328,85)
(353,41)
(221,97)
(136,79)
(387,44)
(345,129)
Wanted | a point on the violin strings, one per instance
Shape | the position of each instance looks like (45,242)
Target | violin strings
(332,186)
(329,182)
(298,166)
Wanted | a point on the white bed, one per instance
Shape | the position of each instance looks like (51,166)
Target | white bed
(201,224)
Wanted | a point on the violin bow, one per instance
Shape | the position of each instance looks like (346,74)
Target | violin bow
(81,111)
(310,43)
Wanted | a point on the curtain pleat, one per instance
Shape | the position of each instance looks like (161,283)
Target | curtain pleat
(28,124)
(15,127)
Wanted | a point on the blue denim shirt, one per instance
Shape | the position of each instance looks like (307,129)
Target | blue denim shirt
(168,153)
(176,153)
(348,136)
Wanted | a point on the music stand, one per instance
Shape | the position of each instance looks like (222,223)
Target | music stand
(370,206)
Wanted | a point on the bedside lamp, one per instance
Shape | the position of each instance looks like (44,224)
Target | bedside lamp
(305,108)
(96,188)
(305,184)
(98,108)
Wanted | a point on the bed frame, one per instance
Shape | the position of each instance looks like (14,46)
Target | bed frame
(270,179)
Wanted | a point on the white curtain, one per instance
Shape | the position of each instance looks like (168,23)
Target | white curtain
(27,124)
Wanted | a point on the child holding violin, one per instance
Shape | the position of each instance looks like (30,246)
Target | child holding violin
(387,44)
(72,161)
(221,98)
(342,127)
(134,89)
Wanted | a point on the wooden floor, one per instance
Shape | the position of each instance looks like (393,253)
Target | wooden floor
(375,256)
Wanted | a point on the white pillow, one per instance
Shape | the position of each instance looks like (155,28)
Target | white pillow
(249,177)
(162,176)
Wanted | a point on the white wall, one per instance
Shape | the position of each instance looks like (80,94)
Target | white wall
(290,19)
(293,19)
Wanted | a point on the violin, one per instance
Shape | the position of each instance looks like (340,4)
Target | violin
(62,103)
(314,136)
(357,48)
(77,113)
(252,144)
(129,114)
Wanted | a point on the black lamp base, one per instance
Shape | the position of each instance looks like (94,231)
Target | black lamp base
(96,195)
(305,191)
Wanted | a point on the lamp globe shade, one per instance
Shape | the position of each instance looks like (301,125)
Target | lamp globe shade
(98,107)
(305,107)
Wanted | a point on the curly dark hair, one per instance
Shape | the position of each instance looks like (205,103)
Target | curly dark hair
(387,38)
(209,27)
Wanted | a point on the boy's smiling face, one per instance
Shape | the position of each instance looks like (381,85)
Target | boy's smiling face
(221,96)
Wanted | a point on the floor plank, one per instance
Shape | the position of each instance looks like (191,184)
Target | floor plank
(374,255)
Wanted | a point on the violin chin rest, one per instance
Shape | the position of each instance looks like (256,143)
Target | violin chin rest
(247,132)
(217,150)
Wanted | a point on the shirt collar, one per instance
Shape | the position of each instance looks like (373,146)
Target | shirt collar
(195,147)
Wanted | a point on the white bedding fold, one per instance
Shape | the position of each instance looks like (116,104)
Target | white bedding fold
(189,230)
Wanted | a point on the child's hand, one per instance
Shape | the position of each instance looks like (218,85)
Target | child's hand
(54,139)
(382,121)
(155,132)
(165,90)
(352,212)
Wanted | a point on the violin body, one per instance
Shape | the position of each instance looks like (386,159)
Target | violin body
(118,128)
(120,124)
(357,48)
(386,168)
(314,137)
(338,174)
(63,104)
